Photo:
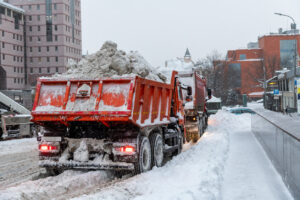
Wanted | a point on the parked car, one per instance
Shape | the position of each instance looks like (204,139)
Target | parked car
(238,111)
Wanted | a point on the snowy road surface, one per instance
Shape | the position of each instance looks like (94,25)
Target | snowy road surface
(18,161)
(227,163)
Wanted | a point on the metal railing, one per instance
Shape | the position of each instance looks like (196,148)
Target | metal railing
(283,149)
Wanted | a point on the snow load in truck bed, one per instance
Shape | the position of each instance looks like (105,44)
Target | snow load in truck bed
(113,63)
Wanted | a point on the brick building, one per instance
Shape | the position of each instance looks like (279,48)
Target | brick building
(249,67)
(51,36)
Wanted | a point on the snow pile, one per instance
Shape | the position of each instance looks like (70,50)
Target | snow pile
(214,100)
(113,63)
(177,64)
(18,146)
(58,187)
(81,154)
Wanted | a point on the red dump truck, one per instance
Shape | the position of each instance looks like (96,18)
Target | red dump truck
(195,95)
(126,124)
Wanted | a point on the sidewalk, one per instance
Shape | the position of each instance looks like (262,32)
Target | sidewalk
(249,174)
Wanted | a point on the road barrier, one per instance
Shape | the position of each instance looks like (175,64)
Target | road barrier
(283,149)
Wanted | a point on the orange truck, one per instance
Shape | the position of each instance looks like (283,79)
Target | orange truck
(195,95)
(126,124)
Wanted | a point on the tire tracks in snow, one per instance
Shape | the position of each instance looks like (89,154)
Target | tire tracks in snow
(17,168)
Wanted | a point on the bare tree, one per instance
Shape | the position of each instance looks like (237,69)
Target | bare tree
(262,70)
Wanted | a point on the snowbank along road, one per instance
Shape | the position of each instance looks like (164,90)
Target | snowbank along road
(226,163)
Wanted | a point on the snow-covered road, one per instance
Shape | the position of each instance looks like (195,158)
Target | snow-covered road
(18,161)
(227,163)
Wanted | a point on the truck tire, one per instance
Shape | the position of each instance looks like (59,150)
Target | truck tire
(157,147)
(144,156)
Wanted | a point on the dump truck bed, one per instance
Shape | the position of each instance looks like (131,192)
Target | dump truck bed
(134,100)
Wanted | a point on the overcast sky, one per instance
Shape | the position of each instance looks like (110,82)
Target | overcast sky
(163,29)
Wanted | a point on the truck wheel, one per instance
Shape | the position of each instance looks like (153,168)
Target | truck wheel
(157,148)
(144,158)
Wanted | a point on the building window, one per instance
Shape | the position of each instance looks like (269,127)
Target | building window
(30,18)
(38,7)
(29,7)
(31,59)
(56,58)
(56,38)
(40,70)
(40,59)
(48,49)
(3,45)
(14,36)
(30,28)
(242,56)
(48,59)
(14,58)
(39,28)
(15,69)
(3,33)
(40,49)
(48,70)
(3,56)
(287,53)
(39,18)
(30,49)
(55,6)
(56,69)
(8,12)
(49,20)
(17,18)
(30,39)
(56,48)
(31,70)
(55,27)
(15,80)
(72,14)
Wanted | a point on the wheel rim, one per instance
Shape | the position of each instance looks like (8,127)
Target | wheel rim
(158,151)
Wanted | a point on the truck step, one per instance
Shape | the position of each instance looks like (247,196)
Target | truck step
(170,148)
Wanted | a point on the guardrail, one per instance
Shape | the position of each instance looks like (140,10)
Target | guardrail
(283,149)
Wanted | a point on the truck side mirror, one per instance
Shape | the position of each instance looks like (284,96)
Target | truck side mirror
(209,93)
(189,91)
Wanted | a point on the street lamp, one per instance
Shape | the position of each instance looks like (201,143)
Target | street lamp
(293,26)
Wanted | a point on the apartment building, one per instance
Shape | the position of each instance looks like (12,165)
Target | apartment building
(12,71)
(51,37)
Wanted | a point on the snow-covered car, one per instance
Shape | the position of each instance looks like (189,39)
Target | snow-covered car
(238,111)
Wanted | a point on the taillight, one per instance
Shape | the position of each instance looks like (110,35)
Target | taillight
(124,150)
(127,149)
(46,147)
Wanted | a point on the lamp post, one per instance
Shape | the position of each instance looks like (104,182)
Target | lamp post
(293,27)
